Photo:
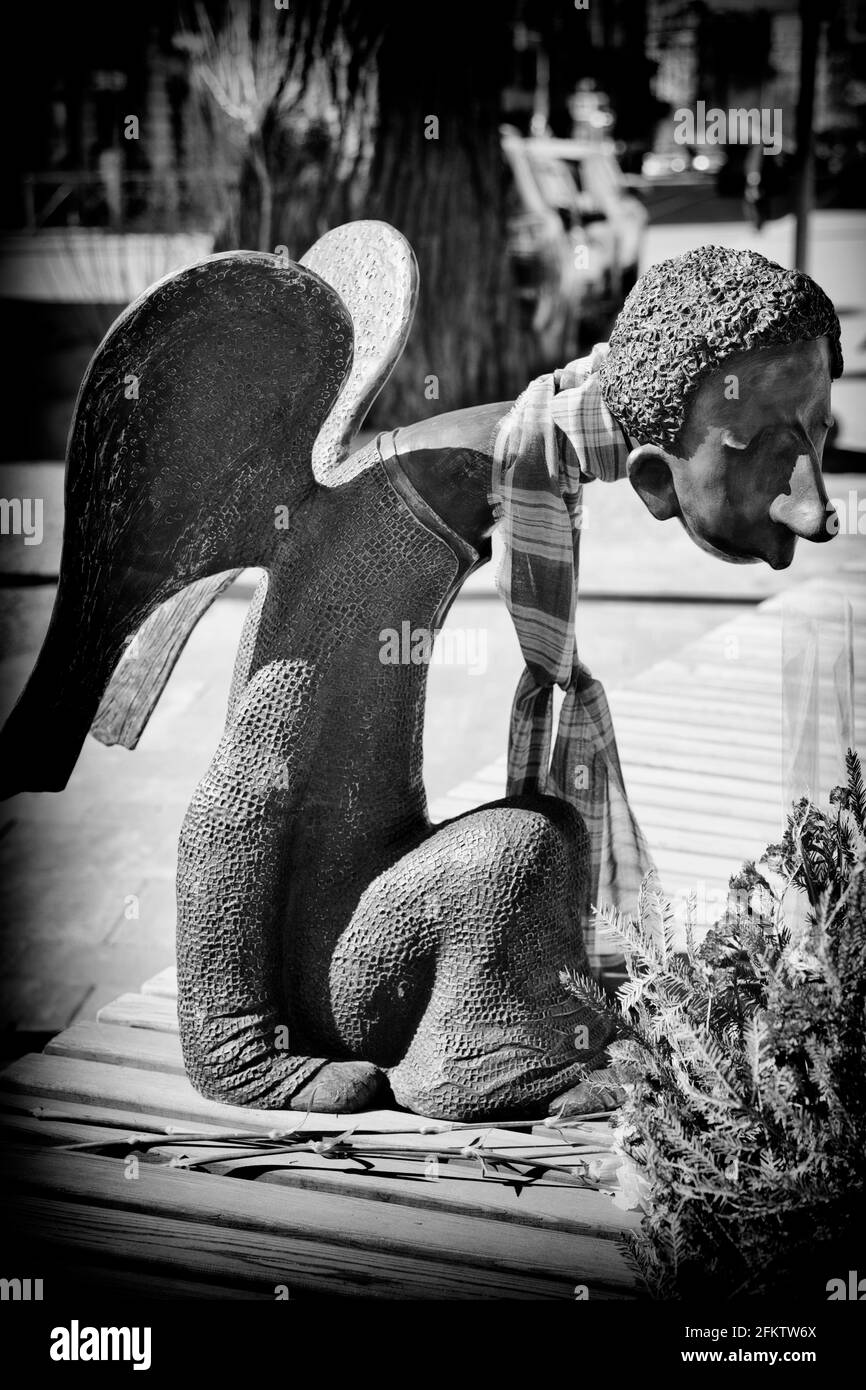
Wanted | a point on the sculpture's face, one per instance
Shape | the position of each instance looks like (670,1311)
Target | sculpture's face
(746,478)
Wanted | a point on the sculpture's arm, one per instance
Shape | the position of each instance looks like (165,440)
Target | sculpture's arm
(448,461)
(237,1044)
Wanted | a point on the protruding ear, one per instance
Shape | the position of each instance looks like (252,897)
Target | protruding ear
(651,477)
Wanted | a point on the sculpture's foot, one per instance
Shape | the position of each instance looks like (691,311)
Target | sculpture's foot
(600,1090)
(343,1086)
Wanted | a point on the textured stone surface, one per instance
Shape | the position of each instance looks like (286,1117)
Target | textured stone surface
(373,269)
(320,915)
(689,315)
(325,928)
(195,421)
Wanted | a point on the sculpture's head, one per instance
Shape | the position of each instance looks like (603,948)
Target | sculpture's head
(719,370)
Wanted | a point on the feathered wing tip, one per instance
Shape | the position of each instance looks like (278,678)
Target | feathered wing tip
(196,418)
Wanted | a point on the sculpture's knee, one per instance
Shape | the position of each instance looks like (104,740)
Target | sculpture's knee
(524,872)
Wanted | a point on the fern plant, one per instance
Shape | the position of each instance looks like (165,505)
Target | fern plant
(743,1134)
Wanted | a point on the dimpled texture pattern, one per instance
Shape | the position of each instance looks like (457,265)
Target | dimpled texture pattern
(373,269)
(234,363)
(195,421)
(687,316)
(320,915)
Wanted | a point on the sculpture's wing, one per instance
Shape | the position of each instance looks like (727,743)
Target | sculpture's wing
(196,419)
(372,267)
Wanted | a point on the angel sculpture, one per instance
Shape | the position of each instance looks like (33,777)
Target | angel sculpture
(316,902)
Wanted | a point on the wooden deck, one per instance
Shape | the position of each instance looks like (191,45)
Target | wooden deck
(441,1225)
(416,1213)
(706,737)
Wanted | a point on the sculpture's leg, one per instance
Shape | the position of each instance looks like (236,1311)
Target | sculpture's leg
(454,956)
(236,1040)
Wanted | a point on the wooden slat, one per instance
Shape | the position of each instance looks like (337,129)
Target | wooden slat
(159,1093)
(164,984)
(330,1223)
(120,1046)
(721,842)
(257,1262)
(63,1076)
(39,1235)
(704,786)
(154,1011)
(459,1186)
(674,814)
(637,724)
(19,1105)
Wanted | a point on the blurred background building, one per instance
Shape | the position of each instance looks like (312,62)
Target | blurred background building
(523,148)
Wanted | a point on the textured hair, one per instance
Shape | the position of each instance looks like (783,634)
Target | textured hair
(687,316)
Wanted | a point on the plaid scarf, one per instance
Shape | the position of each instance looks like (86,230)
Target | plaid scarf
(558,435)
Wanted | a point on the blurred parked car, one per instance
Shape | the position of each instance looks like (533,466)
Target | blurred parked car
(669,161)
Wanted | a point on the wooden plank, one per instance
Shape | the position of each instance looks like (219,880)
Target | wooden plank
(163,984)
(765,769)
(58,1082)
(458,1187)
(756,693)
(157,1012)
(186,1249)
(674,814)
(705,786)
(678,868)
(722,843)
(159,1093)
(757,810)
(399,1128)
(18,1102)
(124,1047)
(638,723)
(37,1242)
(44,1113)
(120,1283)
(755,688)
(329,1221)
(672,711)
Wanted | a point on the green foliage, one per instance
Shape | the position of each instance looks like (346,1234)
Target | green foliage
(744,1064)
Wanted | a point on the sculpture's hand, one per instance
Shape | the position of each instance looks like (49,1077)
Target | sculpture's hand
(342,1086)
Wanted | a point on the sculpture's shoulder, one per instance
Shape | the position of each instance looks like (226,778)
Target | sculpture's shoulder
(364,463)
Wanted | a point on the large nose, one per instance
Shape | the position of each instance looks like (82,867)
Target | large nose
(805,507)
